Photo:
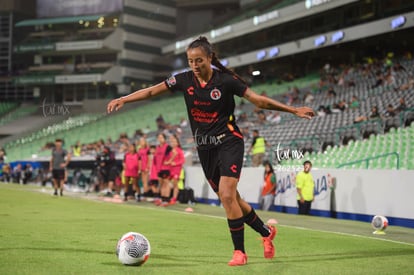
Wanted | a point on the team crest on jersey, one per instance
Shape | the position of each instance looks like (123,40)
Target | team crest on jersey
(171,81)
(215,94)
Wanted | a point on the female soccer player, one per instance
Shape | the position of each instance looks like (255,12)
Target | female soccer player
(175,161)
(131,166)
(209,97)
(153,174)
(162,152)
(143,153)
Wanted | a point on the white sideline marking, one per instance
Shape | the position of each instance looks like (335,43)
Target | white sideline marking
(289,226)
(347,234)
(310,229)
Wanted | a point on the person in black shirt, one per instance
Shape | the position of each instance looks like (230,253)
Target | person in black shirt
(58,163)
(108,169)
(209,96)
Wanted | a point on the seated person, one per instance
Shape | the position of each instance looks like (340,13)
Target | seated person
(389,112)
(402,107)
(373,115)
(409,85)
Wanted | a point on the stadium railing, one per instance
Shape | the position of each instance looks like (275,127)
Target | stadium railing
(368,160)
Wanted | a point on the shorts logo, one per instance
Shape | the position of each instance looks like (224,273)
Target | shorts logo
(233,168)
(215,94)
(190,90)
(171,81)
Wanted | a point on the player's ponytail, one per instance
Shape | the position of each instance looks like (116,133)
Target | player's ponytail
(203,43)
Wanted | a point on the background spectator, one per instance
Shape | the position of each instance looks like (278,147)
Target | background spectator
(268,192)
(258,148)
(305,188)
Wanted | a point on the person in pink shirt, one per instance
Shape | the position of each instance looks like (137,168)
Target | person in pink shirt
(175,161)
(143,152)
(153,174)
(131,166)
(161,155)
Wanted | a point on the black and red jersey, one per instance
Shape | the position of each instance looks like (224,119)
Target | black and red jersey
(211,106)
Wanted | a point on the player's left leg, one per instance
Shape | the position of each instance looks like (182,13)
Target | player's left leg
(308,207)
(174,182)
(165,189)
(136,188)
(145,179)
(126,181)
(268,232)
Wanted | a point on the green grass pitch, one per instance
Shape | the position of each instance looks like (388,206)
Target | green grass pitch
(77,234)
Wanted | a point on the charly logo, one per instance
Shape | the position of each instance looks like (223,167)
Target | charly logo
(190,90)
(53,109)
(215,94)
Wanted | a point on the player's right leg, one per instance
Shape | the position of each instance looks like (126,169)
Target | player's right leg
(55,186)
(228,196)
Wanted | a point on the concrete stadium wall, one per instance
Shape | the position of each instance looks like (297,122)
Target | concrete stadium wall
(344,194)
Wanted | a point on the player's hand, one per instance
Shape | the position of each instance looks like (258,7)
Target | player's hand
(114,105)
(305,112)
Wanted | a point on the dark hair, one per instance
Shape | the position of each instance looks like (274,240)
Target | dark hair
(135,148)
(266,162)
(308,161)
(163,135)
(177,139)
(203,43)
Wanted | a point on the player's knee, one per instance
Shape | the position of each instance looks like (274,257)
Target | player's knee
(227,198)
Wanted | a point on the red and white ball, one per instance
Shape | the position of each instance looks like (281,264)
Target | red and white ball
(133,249)
(379,222)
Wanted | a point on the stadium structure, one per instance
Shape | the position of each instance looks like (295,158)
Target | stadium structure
(61,62)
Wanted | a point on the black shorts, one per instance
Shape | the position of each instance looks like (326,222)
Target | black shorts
(224,160)
(164,174)
(109,174)
(153,183)
(58,174)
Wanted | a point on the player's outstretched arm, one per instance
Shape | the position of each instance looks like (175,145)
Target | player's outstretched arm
(117,103)
(264,102)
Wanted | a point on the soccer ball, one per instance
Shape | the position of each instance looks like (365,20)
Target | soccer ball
(379,222)
(133,249)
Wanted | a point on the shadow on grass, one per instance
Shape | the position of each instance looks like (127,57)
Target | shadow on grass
(168,261)
(54,249)
(203,260)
